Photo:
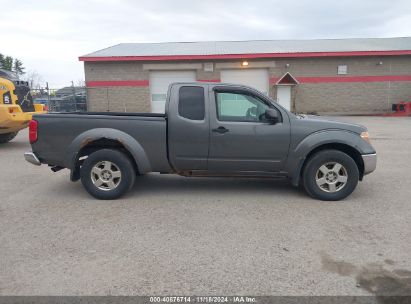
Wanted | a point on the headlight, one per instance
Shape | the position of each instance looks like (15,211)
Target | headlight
(365,136)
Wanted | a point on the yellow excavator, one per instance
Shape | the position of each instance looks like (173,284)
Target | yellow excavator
(16,105)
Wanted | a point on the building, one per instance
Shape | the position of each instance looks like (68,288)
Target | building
(333,76)
(70,91)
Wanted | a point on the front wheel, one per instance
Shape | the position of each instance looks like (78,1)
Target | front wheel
(330,175)
(6,137)
(107,174)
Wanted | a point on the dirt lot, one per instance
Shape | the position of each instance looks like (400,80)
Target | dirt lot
(186,236)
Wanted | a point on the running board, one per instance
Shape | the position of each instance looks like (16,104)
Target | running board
(259,174)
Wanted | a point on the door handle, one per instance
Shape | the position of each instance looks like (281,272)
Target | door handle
(220,130)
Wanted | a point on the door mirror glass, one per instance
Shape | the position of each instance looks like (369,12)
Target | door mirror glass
(271,116)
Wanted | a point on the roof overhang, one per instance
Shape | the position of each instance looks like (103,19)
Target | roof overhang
(287,79)
(247,56)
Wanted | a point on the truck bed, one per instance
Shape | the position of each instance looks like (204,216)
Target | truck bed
(59,131)
(141,114)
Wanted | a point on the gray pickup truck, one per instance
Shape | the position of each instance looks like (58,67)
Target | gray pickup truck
(207,130)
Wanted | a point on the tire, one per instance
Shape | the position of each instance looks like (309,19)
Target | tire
(330,175)
(107,174)
(6,137)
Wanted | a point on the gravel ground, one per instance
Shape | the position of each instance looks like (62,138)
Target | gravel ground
(207,236)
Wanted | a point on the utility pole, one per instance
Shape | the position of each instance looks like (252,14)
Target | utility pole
(74,95)
(48,95)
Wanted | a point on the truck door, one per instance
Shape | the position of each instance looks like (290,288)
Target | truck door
(188,127)
(240,139)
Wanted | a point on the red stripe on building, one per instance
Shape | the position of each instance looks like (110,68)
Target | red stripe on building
(330,79)
(209,80)
(334,79)
(248,56)
(118,83)
(273,80)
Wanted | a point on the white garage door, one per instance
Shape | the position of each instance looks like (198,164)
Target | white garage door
(159,82)
(255,78)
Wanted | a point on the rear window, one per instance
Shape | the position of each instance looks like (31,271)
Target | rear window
(191,103)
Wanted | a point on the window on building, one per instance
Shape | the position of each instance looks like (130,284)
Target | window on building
(240,107)
(191,103)
(342,70)
(158,97)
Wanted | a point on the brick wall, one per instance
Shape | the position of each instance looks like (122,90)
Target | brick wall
(117,99)
(341,98)
(127,70)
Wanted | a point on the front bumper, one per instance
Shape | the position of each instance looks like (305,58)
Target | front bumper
(32,158)
(370,162)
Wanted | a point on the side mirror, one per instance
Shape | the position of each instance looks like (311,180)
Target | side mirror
(271,116)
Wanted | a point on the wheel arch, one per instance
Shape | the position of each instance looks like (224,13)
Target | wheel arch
(344,141)
(345,148)
(104,138)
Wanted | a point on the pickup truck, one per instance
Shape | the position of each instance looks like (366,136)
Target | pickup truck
(207,130)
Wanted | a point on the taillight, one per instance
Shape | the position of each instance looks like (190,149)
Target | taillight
(33,125)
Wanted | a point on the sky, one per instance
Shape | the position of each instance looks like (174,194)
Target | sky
(49,36)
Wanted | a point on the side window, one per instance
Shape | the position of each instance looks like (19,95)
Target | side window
(191,104)
(240,107)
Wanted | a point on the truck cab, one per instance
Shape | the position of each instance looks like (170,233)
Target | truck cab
(224,129)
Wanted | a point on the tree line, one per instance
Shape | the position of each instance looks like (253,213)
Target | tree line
(11,64)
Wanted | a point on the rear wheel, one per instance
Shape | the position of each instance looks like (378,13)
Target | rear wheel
(330,175)
(107,174)
(4,138)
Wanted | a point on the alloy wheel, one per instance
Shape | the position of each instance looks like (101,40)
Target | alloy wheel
(331,177)
(105,175)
